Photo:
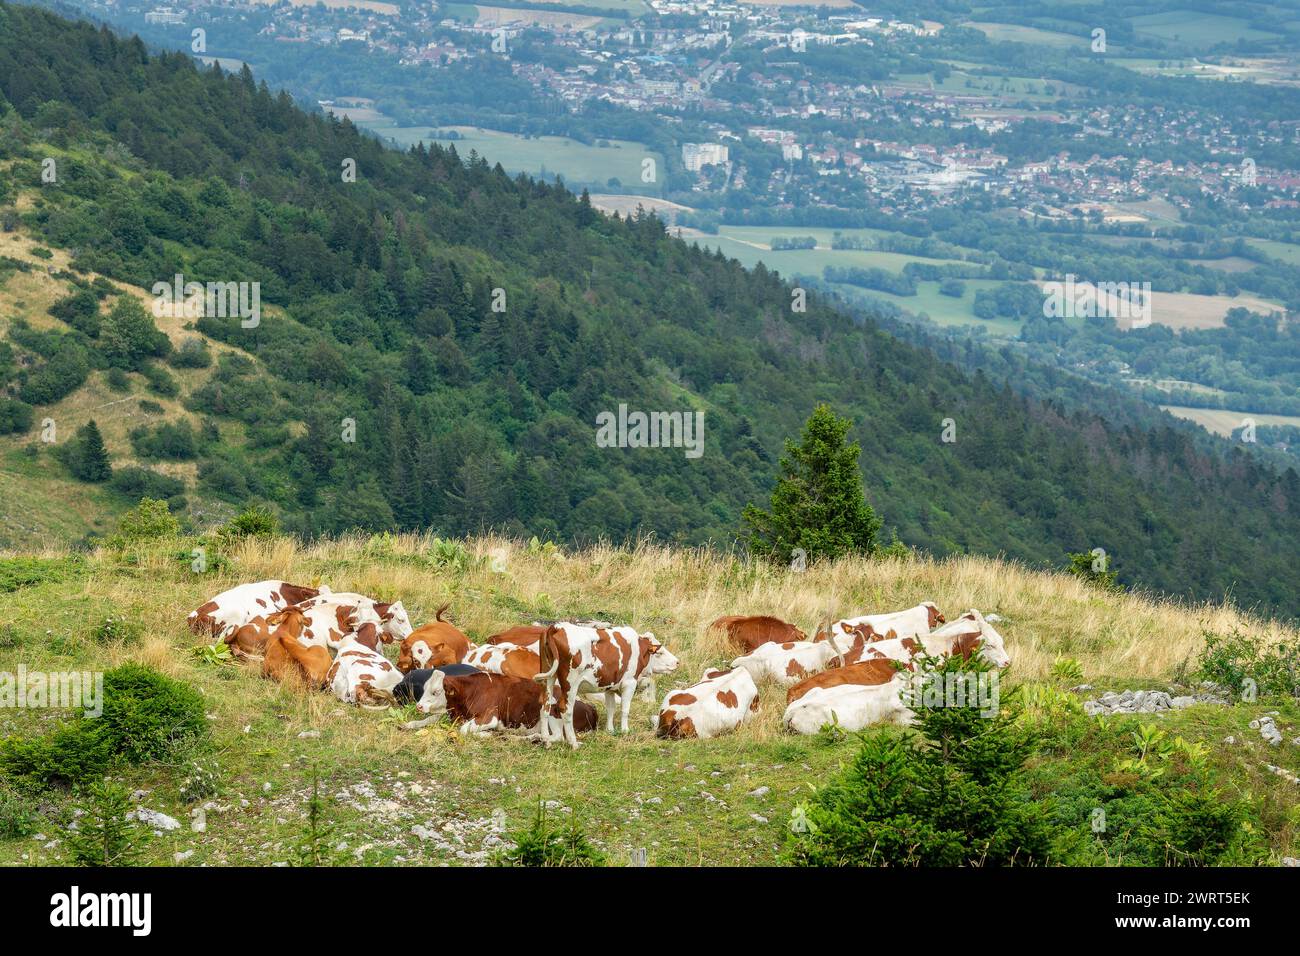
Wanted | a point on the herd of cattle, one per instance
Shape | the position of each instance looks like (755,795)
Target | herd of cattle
(535,676)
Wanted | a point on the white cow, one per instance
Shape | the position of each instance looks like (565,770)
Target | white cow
(333,615)
(790,662)
(717,704)
(361,674)
(850,706)
(971,633)
(230,610)
(897,624)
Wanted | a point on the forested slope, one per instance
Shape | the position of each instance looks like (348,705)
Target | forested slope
(377,308)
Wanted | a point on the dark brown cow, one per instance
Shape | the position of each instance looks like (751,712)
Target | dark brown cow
(484,702)
(746,633)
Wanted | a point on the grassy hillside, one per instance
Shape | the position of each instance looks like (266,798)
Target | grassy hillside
(687,802)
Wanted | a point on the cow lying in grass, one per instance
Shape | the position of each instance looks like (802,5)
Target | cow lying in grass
(789,662)
(220,616)
(873,627)
(851,698)
(283,653)
(361,674)
(411,689)
(432,645)
(745,634)
(969,634)
(333,616)
(576,658)
(717,704)
(481,703)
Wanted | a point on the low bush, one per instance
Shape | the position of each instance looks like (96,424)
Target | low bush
(147,716)
(545,845)
(1233,659)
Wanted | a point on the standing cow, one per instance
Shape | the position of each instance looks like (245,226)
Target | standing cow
(576,658)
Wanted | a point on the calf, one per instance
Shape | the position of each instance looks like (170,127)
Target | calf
(229,610)
(714,706)
(284,653)
(789,662)
(485,702)
(411,688)
(575,658)
(433,644)
(747,633)
(898,624)
(506,659)
(360,674)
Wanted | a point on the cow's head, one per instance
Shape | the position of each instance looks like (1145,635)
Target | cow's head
(992,646)
(935,616)
(659,660)
(291,619)
(397,623)
(414,652)
(434,699)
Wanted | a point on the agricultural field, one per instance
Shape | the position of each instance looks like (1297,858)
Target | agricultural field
(1287,252)
(543,156)
(1195,29)
(434,796)
(1014,33)
(1222,421)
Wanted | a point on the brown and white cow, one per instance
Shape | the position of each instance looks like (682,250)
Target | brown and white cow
(284,653)
(221,615)
(714,706)
(576,658)
(332,616)
(432,645)
(485,702)
(897,624)
(361,674)
(791,661)
(969,634)
(851,697)
(746,633)
(505,659)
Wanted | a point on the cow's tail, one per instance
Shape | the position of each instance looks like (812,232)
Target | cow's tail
(823,627)
(550,661)
(441,611)
(839,654)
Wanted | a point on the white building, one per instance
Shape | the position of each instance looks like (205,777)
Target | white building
(695,156)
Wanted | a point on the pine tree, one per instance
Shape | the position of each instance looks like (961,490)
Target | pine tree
(88,459)
(104,835)
(818,505)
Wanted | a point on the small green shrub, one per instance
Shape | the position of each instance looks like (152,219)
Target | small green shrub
(146,716)
(951,795)
(544,845)
(148,520)
(18,573)
(17,818)
(254,521)
(104,835)
(1231,659)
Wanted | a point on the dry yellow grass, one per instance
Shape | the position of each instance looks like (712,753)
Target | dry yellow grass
(677,593)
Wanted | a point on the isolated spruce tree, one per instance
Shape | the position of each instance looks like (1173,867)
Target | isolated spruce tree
(818,504)
(88,458)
